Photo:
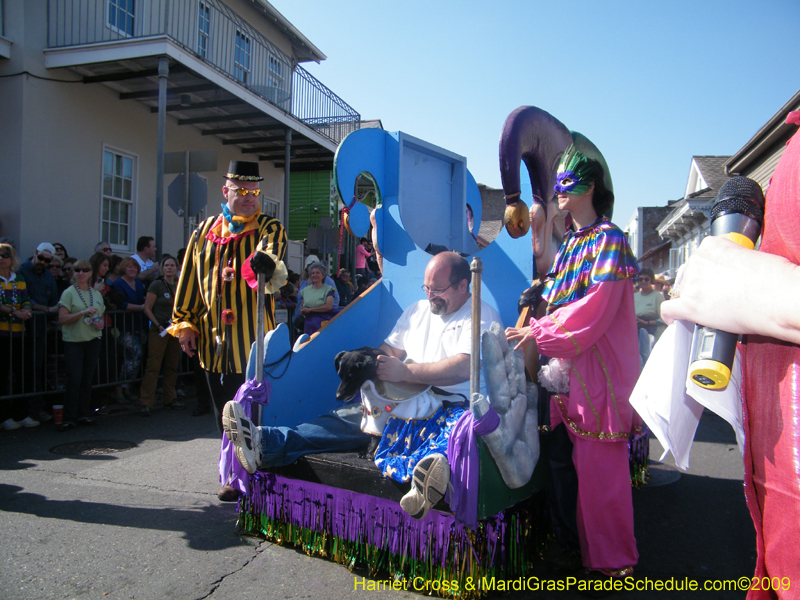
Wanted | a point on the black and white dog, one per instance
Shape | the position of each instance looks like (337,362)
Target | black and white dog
(355,367)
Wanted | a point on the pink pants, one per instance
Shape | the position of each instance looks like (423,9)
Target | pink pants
(605,502)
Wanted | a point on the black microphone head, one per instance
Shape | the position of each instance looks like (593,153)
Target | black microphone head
(740,195)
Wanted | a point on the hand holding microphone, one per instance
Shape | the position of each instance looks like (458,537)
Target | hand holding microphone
(737,215)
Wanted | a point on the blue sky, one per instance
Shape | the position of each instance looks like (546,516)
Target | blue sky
(651,83)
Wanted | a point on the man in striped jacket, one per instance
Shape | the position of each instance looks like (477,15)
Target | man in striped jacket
(216,300)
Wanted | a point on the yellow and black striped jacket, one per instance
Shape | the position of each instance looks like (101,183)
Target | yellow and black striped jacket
(202,295)
(13,293)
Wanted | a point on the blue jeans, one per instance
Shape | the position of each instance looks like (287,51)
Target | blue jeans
(336,431)
(645,346)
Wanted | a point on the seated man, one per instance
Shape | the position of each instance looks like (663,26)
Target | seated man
(436,335)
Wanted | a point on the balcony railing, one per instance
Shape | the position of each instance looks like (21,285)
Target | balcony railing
(210,30)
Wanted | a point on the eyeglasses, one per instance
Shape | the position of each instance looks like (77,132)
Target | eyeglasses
(82,270)
(244,191)
(43,258)
(5,255)
(435,293)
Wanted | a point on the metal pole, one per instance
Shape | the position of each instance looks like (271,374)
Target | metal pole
(286,178)
(260,330)
(186,229)
(475,358)
(163,73)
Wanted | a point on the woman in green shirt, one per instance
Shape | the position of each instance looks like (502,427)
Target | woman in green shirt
(80,313)
(315,301)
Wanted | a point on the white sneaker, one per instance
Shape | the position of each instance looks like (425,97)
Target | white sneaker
(29,422)
(429,484)
(10,424)
(244,434)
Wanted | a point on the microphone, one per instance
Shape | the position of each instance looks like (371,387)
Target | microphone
(737,215)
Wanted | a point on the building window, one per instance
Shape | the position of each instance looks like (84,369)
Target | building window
(241,57)
(271,207)
(204,28)
(117,213)
(275,72)
(120,16)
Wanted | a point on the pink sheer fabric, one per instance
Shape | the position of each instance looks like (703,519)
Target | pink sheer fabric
(598,335)
(772,404)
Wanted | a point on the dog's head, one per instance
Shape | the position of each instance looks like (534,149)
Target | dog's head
(355,367)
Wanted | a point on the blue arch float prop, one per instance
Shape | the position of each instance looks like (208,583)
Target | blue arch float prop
(424,192)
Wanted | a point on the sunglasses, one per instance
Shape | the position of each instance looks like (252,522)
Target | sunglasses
(644,279)
(5,255)
(54,267)
(43,258)
(82,270)
(244,191)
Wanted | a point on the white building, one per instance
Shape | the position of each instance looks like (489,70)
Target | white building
(688,222)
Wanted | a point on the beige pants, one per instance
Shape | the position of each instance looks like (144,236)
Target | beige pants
(162,352)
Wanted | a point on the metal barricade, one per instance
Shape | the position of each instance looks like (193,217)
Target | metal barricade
(37,365)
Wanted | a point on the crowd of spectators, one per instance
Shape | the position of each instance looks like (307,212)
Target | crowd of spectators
(90,329)
(68,324)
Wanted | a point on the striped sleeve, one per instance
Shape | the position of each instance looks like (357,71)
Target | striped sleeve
(188,307)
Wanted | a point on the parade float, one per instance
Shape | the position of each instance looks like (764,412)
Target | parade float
(339,506)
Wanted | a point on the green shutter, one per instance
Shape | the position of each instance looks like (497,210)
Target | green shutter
(306,190)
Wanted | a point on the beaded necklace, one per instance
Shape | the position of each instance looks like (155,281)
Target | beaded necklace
(91,296)
(14,295)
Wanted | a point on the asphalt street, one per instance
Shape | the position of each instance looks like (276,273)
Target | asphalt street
(145,522)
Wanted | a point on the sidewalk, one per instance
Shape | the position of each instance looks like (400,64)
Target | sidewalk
(145,523)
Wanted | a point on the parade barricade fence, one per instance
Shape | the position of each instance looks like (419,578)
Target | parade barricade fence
(39,368)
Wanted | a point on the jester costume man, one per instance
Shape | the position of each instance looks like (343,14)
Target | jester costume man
(591,327)
(216,297)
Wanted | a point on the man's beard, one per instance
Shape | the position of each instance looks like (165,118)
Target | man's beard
(438,306)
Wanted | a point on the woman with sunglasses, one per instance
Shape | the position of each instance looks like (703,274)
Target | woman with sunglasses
(590,332)
(61,251)
(15,309)
(163,350)
(80,314)
(56,270)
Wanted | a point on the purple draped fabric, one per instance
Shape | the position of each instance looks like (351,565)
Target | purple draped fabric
(231,472)
(438,539)
(462,454)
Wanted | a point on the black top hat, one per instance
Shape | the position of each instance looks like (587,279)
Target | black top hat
(242,170)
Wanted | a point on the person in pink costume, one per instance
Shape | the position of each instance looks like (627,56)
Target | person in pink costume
(362,254)
(591,323)
(766,311)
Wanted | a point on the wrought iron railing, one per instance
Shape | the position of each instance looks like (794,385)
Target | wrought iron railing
(210,30)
